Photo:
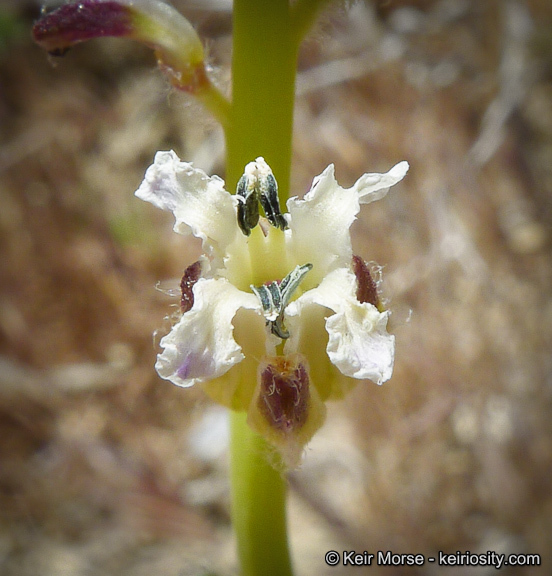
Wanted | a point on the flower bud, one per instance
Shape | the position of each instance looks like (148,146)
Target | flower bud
(176,45)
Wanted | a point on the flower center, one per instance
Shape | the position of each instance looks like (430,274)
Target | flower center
(258,185)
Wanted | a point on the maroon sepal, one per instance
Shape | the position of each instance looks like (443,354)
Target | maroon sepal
(284,395)
(191,275)
(72,23)
(367,290)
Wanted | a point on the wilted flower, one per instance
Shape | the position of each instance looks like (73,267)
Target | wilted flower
(278,315)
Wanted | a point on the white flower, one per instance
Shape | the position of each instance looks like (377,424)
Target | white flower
(279,316)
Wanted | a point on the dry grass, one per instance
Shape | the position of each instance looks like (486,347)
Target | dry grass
(105,469)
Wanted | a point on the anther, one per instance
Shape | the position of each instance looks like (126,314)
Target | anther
(258,185)
(248,207)
(268,189)
(275,296)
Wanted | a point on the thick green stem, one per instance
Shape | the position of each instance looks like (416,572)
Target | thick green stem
(261,123)
(263,88)
(258,504)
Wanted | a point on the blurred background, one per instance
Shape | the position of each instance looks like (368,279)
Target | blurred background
(106,469)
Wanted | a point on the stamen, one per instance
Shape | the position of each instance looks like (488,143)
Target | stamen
(275,296)
(278,329)
(248,207)
(291,282)
(265,294)
(258,185)
(269,201)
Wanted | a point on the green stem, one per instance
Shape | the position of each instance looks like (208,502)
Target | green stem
(266,37)
(258,504)
(263,88)
(261,123)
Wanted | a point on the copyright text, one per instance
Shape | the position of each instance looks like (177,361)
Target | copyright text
(388,558)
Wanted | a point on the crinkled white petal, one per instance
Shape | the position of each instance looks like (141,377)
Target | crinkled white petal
(319,226)
(200,204)
(358,344)
(370,187)
(201,345)
(320,221)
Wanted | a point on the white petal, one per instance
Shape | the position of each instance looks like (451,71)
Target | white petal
(200,204)
(319,226)
(370,187)
(358,343)
(201,345)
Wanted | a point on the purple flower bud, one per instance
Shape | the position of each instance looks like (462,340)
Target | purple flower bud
(57,31)
(153,22)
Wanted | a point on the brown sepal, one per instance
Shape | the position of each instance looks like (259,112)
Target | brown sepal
(367,290)
(191,275)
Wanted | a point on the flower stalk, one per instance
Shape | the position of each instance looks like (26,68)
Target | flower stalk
(263,89)
(258,503)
